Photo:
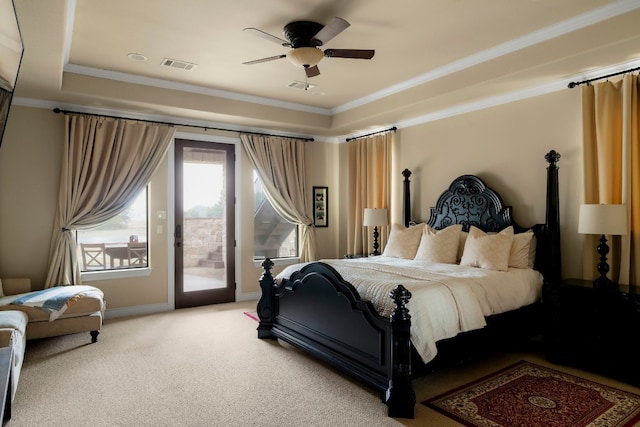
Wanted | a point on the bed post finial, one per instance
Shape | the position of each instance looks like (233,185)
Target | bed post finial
(554,264)
(401,398)
(406,197)
(552,157)
(266,305)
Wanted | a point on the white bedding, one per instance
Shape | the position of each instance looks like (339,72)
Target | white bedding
(446,298)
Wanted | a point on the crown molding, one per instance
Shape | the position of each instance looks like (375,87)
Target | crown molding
(456,110)
(184,87)
(577,22)
(178,121)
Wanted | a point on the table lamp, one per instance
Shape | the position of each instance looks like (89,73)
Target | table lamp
(375,217)
(604,220)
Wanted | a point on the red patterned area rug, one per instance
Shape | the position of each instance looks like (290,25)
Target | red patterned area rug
(525,394)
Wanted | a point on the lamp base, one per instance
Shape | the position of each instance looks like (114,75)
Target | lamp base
(603,282)
(375,242)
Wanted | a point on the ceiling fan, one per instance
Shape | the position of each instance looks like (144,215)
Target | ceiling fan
(304,39)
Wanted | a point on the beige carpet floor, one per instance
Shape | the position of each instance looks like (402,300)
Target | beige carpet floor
(205,367)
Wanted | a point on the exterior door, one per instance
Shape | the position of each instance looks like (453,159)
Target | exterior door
(205,223)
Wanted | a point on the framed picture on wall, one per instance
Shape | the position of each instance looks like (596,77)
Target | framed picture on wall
(321,206)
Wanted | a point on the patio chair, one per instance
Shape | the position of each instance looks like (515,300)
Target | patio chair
(93,256)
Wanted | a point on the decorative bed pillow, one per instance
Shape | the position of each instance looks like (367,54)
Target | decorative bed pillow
(463,240)
(489,251)
(440,245)
(403,242)
(523,250)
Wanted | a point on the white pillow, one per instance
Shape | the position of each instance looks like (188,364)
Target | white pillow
(403,242)
(489,251)
(523,250)
(440,245)
(463,240)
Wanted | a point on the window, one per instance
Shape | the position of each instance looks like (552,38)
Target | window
(273,236)
(118,243)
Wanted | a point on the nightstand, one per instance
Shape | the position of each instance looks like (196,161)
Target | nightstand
(593,329)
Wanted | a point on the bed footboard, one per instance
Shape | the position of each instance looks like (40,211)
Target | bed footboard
(311,310)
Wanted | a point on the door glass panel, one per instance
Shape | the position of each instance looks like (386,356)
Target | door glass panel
(204,223)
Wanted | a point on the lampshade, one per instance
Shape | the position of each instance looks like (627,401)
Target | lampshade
(304,57)
(603,219)
(375,217)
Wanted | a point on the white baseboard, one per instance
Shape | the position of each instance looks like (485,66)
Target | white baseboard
(141,310)
(255,296)
(137,310)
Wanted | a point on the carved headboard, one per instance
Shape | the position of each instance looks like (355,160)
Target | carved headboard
(469,201)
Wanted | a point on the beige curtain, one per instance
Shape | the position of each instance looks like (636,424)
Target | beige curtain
(5,103)
(105,164)
(610,114)
(280,164)
(369,187)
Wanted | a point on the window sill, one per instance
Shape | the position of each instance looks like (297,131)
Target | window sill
(90,276)
(278,261)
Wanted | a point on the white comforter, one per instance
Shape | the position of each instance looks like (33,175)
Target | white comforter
(446,298)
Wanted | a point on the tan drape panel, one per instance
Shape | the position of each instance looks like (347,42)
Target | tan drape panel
(5,103)
(610,112)
(280,164)
(105,164)
(369,187)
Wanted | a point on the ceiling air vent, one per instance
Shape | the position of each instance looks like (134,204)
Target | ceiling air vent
(300,85)
(182,65)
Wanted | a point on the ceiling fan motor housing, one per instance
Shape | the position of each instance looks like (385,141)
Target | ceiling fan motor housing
(300,33)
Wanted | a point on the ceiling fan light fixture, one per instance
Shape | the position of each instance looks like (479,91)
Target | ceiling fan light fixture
(305,57)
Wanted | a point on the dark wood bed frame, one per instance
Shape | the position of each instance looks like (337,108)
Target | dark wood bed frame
(319,312)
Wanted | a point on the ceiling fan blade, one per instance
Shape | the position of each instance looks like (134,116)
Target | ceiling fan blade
(350,53)
(312,71)
(267,36)
(332,29)
(270,58)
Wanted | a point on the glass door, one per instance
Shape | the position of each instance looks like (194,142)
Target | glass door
(205,223)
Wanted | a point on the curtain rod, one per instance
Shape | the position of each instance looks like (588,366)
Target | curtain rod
(574,84)
(58,110)
(372,133)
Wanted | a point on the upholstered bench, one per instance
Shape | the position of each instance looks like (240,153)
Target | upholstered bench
(83,313)
(13,325)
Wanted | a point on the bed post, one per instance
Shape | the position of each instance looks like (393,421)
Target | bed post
(401,398)
(554,265)
(267,303)
(406,198)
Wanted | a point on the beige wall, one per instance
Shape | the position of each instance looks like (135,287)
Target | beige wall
(30,158)
(504,145)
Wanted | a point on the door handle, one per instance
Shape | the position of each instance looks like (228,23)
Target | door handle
(178,236)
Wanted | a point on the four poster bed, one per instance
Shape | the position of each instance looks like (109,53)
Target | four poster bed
(354,314)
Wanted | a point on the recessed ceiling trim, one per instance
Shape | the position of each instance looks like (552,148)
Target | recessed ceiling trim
(184,87)
(50,105)
(456,110)
(514,96)
(577,22)
(588,18)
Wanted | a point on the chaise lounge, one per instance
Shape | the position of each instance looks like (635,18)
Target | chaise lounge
(83,312)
